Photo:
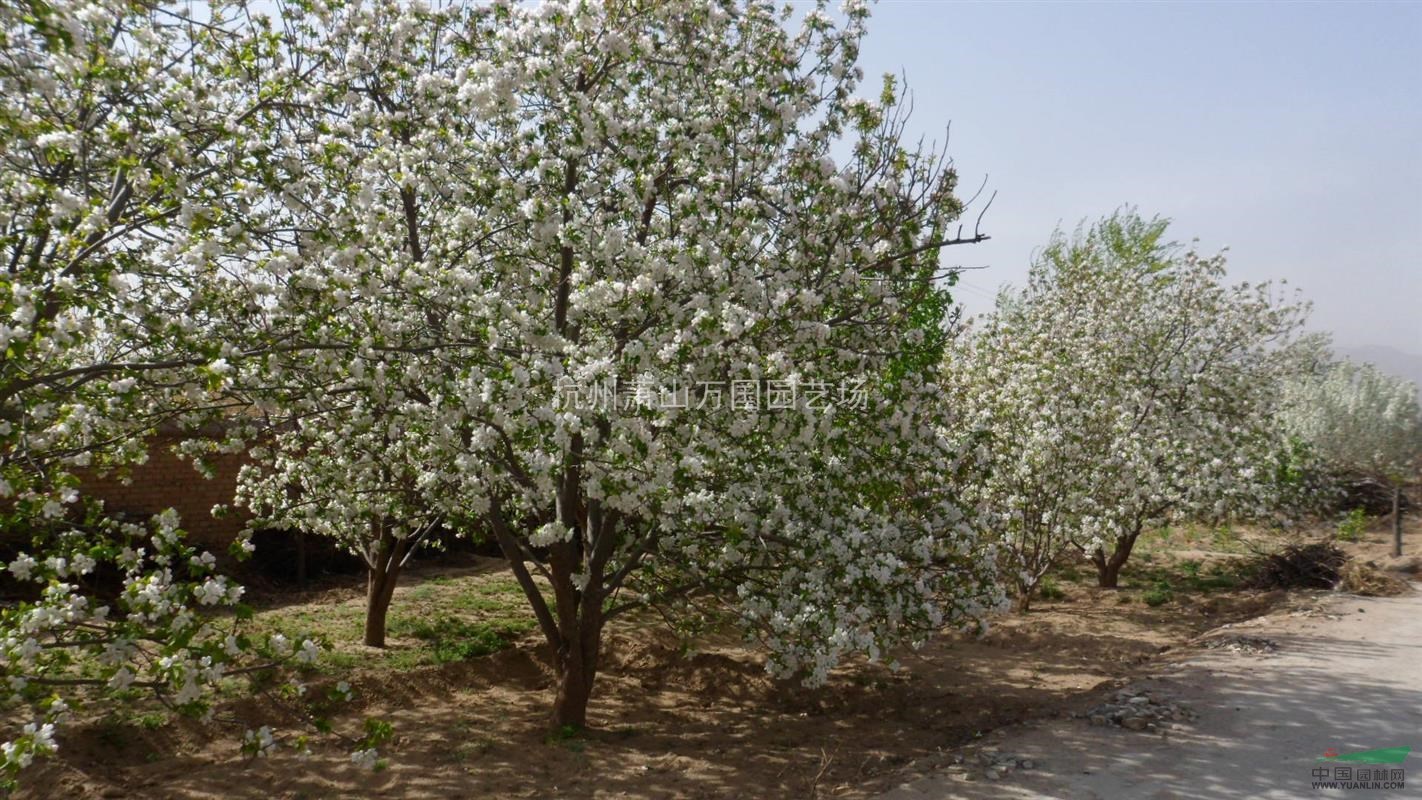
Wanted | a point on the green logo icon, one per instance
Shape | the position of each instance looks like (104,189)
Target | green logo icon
(1386,755)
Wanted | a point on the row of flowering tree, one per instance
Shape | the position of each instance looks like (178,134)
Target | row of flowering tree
(403,252)
(1126,386)
(647,293)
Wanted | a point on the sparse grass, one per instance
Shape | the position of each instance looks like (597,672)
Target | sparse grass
(115,729)
(1048,589)
(470,750)
(153,720)
(470,742)
(1189,576)
(1160,572)
(569,738)
(113,734)
(425,592)
(437,620)
(1218,539)
(453,639)
(1228,540)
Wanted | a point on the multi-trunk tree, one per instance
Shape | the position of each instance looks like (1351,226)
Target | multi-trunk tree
(650,288)
(684,227)
(1126,386)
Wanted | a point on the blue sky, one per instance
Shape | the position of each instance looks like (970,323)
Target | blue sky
(1291,132)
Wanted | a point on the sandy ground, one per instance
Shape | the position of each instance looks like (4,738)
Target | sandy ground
(706,722)
(666,723)
(1347,675)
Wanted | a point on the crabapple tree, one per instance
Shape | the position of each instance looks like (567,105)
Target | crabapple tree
(351,477)
(674,223)
(603,270)
(119,120)
(1360,420)
(1127,385)
(360,244)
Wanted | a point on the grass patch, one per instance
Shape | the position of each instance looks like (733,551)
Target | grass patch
(438,620)
(1159,576)
(1049,589)
(1184,577)
(569,738)
(1159,571)
(1219,539)
(1158,595)
(1227,540)
(453,639)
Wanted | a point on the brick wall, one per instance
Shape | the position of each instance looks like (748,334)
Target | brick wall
(165,481)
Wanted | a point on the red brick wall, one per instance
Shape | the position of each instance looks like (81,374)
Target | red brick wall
(165,481)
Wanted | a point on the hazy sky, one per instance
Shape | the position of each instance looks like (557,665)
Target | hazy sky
(1291,132)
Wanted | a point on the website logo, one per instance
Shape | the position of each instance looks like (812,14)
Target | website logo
(1365,769)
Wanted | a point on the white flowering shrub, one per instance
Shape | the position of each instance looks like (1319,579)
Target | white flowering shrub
(1126,386)
(593,278)
(72,643)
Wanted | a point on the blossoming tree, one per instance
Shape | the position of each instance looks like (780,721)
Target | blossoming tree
(1126,386)
(358,253)
(1363,421)
(604,268)
(118,122)
(356,477)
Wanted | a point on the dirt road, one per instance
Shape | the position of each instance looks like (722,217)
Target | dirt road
(1347,676)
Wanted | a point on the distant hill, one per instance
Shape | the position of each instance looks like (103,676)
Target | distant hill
(1388,359)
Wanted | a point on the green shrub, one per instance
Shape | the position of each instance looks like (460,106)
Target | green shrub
(1225,538)
(1158,595)
(1351,527)
(1049,590)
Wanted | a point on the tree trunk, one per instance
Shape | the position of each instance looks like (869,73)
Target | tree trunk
(380,588)
(1108,569)
(1397,519)
(577,669)
(1023,603)
(301,559)
(579,641)
(572,624)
